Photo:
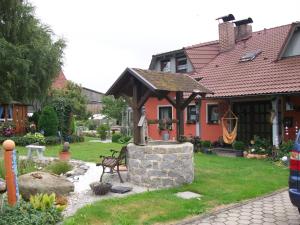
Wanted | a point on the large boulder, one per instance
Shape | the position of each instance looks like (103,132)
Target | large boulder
(42,182)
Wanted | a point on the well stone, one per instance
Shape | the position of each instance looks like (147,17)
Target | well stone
(163,165)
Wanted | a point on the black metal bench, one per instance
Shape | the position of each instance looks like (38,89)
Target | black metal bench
(113,162)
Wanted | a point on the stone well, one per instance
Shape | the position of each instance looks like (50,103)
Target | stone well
(160,165)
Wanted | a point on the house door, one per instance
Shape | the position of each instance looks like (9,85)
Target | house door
(254,119)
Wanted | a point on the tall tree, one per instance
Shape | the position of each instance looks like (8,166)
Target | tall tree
(30,59)
(112,107)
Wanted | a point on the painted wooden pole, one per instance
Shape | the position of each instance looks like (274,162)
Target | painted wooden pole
(275,127)
(10,171)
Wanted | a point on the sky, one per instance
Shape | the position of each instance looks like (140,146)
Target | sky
(105,37)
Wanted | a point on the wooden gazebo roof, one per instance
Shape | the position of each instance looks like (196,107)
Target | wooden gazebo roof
(156,82)
(142,84)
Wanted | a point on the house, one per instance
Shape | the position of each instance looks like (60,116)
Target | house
(94,100)
(254,74)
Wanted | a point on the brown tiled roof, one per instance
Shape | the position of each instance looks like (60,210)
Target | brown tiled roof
(60,82)
(201,54)
(226,76)
(171,81)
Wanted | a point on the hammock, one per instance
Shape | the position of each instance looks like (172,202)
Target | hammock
(229,137)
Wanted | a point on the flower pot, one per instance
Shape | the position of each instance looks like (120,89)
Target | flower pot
(165,135)
(64,156)
(239,153)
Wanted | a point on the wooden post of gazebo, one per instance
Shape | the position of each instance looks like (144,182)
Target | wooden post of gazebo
(142,84)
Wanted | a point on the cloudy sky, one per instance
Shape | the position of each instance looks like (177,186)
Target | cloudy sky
(105,37)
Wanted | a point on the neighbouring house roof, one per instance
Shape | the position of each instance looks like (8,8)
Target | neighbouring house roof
(60,82)
(157,81)
(226,75)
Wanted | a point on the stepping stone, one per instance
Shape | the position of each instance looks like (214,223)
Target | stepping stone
(120,189)
(188,195)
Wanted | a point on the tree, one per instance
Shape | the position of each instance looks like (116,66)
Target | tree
(29,58)
(73,94)
(112,107)
(48,121)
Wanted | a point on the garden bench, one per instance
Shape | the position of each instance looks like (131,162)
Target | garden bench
(38,149)
(113,162)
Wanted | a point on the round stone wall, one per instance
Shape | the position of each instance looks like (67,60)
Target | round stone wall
(157,166)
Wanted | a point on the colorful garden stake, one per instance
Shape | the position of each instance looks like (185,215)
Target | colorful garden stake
(10,161)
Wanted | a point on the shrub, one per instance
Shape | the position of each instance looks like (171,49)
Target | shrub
(74,138)
(59,167)
(261,146)
(2,169)
(52,140)
(124,139)
(103,130)
(35,117)
(116,137)
(24,213)
(7,129)
(35,138)
(48,121)
(238,145)
(206,144)
(284,149)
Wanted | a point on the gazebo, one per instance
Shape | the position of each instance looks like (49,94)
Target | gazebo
(163,164)
(141,84)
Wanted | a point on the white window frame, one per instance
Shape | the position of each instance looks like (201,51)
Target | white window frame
(206,117)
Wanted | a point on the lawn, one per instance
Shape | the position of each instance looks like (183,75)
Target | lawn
(86,151)
(220,180)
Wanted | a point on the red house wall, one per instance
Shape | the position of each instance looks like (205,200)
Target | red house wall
(210,132)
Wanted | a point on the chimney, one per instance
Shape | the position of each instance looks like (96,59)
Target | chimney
(243,29)
(226,33)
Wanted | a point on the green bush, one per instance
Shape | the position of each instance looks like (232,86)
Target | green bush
(115,137)
(52,140)
(48,121)
(24,213)
(74,138)
(35,138)
(2,169)
(24,166)
(284,149)
(261,146)
(206,144)
(103,130)
(59,167)
(238,145)
(124,139)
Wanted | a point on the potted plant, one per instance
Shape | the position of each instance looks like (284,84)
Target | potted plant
(103,130)
(165,125)
(239,146)
(65,154)
(206,145)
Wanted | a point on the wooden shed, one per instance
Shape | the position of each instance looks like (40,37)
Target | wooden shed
(15,112)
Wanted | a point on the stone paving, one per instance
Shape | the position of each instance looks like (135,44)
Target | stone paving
(275,209)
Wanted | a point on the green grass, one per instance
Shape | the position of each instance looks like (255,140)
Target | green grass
(220,180)
(86,151)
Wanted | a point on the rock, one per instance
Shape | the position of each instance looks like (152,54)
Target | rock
(70,173)
(42,182)
(100,188)
(2,186)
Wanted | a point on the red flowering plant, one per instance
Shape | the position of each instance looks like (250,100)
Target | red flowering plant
(7,129)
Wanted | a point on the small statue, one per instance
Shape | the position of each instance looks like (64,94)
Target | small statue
(66,147)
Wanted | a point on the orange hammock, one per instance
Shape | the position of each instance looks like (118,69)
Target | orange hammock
(229,137)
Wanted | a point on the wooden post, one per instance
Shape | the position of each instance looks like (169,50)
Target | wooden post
(136,113)
(275,127)
(10,176)
(179,115)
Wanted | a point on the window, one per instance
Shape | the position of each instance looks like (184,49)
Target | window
(293,47)
(9,112)
(2,113)
(165,112)
(212,113)
(191,114)
(165,66)
(249,56)
(181,65)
